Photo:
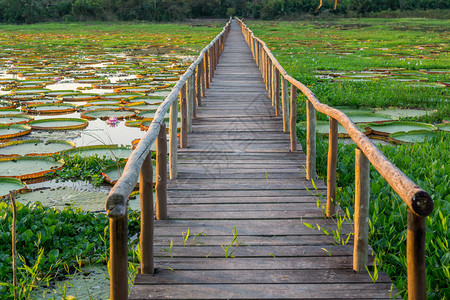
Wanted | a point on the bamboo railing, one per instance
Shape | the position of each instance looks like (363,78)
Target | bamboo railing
(419,202)
(189,88)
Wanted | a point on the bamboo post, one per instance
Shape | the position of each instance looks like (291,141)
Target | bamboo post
(194,97)
(202,77)
(173,126)
(267,70)
(415,256)
(293,118)
(161,174)
(285,104)
(198,87)
(310,141)
(190,102)
(331,169)
(146,194)
(211,64)
(270,79)
(118,260)
(276,92)
(14,241)
(184,117)
(362,194)
(207,69)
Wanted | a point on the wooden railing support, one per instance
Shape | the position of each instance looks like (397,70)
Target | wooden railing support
(161,174)
(310,141)
(331,167)
(184,117)
(362,195)
(118,253)
(415,256)
(146,195)
(285,103)
(276,91)
(293,119)
(203,78)
(198,89)
(190,102)
(173,126)
(207,72)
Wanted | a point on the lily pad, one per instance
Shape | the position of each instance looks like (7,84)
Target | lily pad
(400,126)
(443,126)
(28,167)
(8,184)
(14,119)
(366,117)
(12,131)
(57,108)
(397,113)
(34,147)
(121,96)
(60,92)
(113,172)
(59,124)
(141,106)
(323,127)
(78,97)
(416,136)
(104,114)
(103,151)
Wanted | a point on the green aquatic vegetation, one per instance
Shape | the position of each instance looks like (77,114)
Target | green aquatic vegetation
(51,241)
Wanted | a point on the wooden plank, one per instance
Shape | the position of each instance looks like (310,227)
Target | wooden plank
(258,291)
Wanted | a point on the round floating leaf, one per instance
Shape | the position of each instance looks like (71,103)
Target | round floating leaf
(400,126)
(56,108)
(14,119)
(28,167)
(141,106)
(10,112)
(78,97)
(104,102)
(12,131)
(133,123)
(60,92)
(105,114)
(30,91)
(323,127)
(113,172)
(443,126)
(397,113)
(100,106)
(416,136)
(8,184)
(121,96)
(6,104)
(90,80)
(102,151)
(148,100)
(366,117)
(59,124)
(34,147)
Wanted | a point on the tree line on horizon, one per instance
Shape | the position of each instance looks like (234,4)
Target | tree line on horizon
(33,11)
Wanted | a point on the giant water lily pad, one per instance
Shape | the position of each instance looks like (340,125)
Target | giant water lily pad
(105,114)
(8,184)
(400,126)
(443,126)
(141,106)
(416,136)
(28,167)
(59,124)
(78,97)
(12,131)
(366,117)
(57,108)
(10,112)
(323,127)
(103,151)
(113,172)
(89,106)
(34,147)
(397,113)
(14,119)
(121,96)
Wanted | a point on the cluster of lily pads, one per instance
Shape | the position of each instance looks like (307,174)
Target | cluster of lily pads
(384,125)
(48,106)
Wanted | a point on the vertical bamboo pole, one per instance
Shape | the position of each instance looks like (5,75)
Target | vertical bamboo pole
(118,260)
(203,74)
(190,102)
(173,126)
(276,92)
(198,86)
(271,81)
(415,256)
(211,64)
(14,241)
(293,121)
(310,141)
(194,91)
(184,117)
(285,103)
(331,169)
(362,193)
(207,69)
(161,173)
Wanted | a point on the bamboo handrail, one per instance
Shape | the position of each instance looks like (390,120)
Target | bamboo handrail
(419,201)
(139,166)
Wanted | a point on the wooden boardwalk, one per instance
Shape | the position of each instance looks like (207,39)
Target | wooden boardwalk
(238,176)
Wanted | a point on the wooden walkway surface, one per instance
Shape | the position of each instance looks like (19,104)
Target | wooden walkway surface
(238,175)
